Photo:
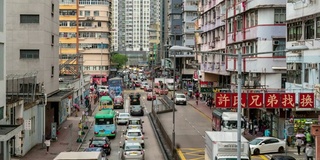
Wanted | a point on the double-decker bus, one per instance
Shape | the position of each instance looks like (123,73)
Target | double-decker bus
(105,103)
(115,87)
(105,123)
(97,78)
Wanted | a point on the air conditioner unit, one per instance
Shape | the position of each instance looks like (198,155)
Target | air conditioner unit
(291,67)
(254,75)
(314,66)
(275,42)
(308,66)
(217,66)
(248,44)
(251,83)
(239,46)
(235,46)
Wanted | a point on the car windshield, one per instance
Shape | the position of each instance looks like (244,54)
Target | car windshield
(255,141)
(117,100)
(98,142)
(124,115)
(104,121)
(136,107)
(135,122)
(133,148)
(181,96)
(133,134)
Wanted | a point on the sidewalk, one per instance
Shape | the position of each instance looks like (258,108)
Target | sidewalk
(207,111)
(64,139)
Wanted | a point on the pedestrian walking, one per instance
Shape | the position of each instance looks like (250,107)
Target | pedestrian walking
(47,143)
(309,152)
(299,143)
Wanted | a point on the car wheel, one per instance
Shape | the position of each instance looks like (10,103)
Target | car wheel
(281,150)
(256,152)
(142,145)
(185,103)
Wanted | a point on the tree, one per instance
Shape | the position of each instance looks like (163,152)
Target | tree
(120,59)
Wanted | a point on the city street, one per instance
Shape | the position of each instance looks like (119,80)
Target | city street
(152,150)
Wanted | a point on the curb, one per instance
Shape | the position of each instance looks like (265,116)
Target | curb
(89,128)
(198,110)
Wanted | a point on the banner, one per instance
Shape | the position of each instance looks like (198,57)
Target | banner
(264,100)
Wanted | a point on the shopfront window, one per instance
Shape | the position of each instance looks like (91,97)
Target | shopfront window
(303,124)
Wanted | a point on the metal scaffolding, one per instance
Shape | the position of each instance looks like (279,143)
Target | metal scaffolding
(23,87)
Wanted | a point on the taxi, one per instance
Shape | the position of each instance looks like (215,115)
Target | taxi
(150,97)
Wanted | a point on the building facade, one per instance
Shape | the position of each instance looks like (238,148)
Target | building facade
(131,20)
(303,26)
(232,27)
(85,38)
(32,40)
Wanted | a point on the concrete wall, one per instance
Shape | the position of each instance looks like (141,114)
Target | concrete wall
(34,36)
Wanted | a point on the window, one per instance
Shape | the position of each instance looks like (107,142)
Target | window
(33,126)
(1,62)
(86,13)
(63,23)
(279,16)
(52,39)
(81,13)
(306,75)
(52,71)
(318,28)
(99,24)
(309,29)
(29,54)
(294,73)
(239,23)
(279,45)
(1,112)
(230,26)
(294,31)
(24,18)
(96,13)
(52,9)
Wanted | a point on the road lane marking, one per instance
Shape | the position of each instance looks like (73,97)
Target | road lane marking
(263,157)
(204,115)
(182,157)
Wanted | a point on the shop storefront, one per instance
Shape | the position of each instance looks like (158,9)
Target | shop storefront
(304,120)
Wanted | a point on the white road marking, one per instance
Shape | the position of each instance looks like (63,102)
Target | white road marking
(194,128)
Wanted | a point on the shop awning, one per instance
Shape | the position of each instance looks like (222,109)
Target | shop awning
(8,131)
(59,96)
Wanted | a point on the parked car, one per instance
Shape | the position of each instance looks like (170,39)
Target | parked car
(118,102)
(267,145)
(132,151)
(151,97)
(134,136)
(96,149)
(180,99)
(282,157)
(122,118)
(134,98)
(148,88)
(143,84)
(102,142)
(136,110)
(135,123)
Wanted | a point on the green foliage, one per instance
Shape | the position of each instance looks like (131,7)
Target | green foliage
(120,59)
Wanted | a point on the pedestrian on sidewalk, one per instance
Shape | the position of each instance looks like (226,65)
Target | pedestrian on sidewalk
(299,143)
(309,152)
(47,143)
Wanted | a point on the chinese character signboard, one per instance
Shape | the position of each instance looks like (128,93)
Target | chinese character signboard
(223,100)
(288,100)
(235,100)
(272,100)
(206,86)
(267,100)
(255,100)
(306,100)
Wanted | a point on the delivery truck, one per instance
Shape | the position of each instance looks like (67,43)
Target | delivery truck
(225,120)
(223,145)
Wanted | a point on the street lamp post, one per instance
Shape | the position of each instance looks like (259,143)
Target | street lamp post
(175,49)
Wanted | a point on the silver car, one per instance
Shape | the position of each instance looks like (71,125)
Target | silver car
(134,136)
(132,151)
(123,118)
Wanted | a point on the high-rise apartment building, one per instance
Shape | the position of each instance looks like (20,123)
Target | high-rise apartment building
(303,31)
(85,36)
(2,62)
(131,20)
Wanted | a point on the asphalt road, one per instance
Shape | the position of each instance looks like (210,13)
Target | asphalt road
(152,150)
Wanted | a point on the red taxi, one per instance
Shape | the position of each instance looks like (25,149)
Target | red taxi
(147,88)
(118,102)
(162,91)
(149,96)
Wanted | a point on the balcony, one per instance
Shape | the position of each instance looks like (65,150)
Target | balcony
(67,18)
(68,6)
(67,29)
